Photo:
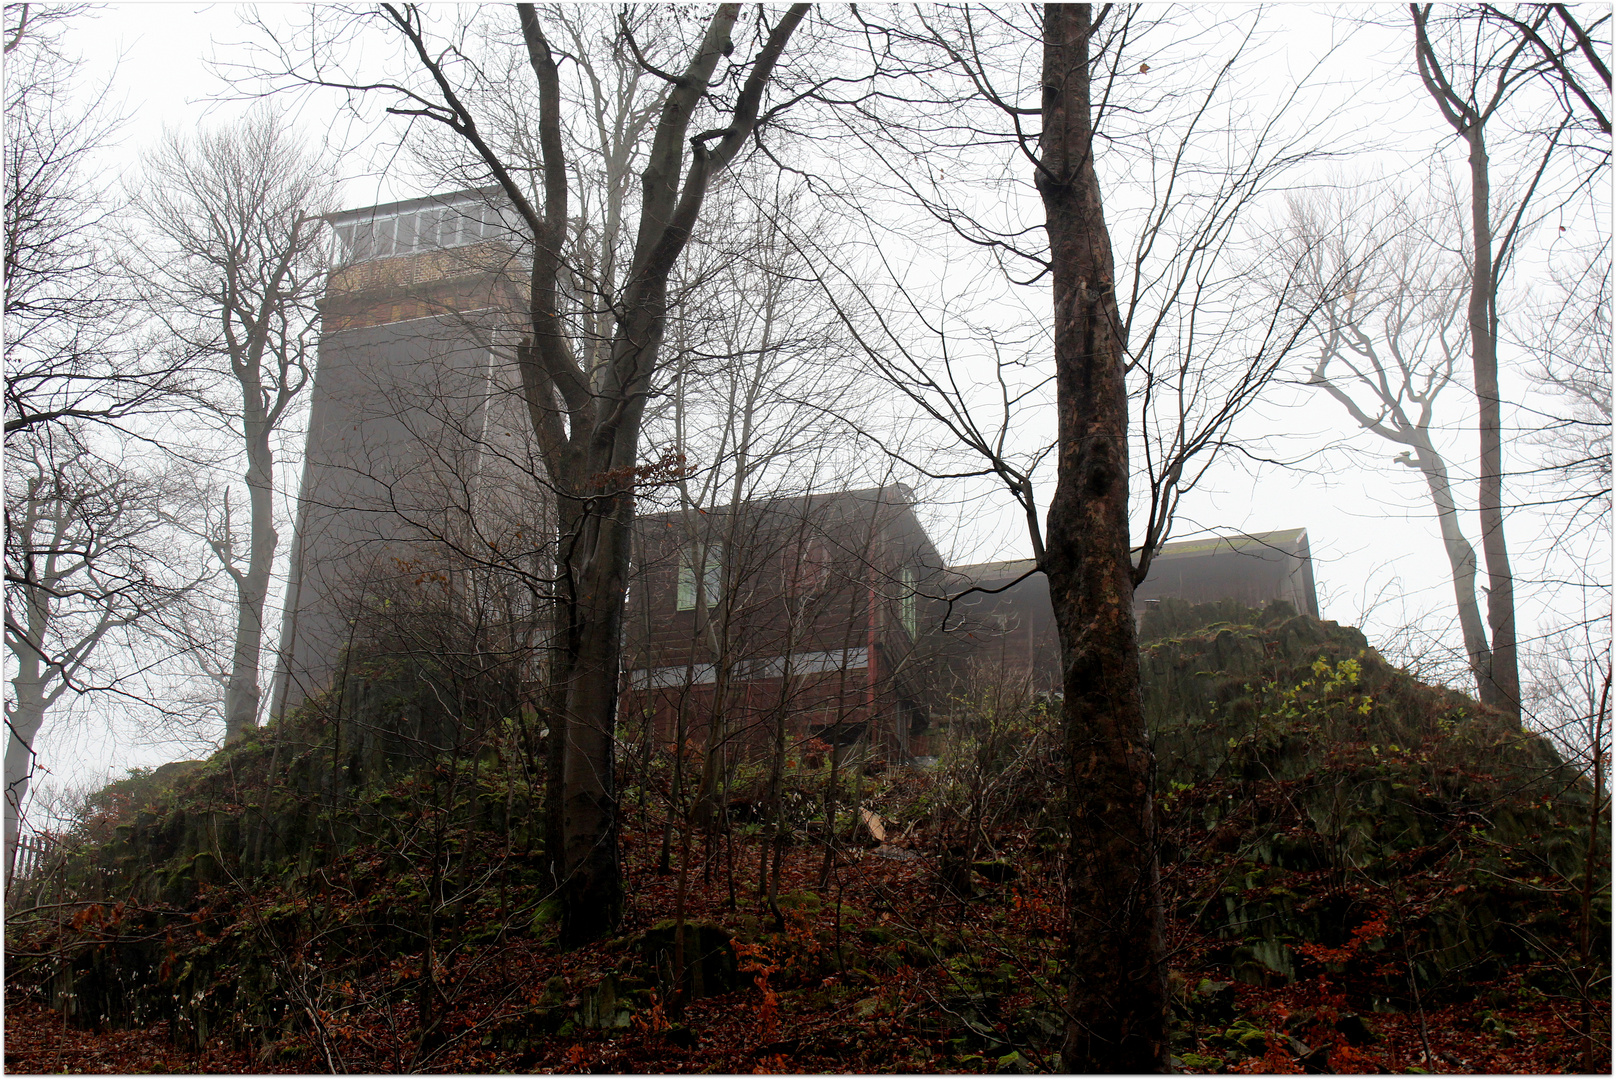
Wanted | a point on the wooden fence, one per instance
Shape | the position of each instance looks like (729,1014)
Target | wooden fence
(35,857)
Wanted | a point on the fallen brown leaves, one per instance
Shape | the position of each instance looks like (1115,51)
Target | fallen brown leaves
(878,974)
(39,1041)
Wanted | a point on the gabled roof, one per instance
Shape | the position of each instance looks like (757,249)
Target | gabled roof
(824,507)
(1286,541)
(984,572)
(1283,541)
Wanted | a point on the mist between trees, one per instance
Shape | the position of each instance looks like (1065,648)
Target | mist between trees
(678,280)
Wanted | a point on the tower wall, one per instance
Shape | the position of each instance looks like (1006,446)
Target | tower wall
(416,448)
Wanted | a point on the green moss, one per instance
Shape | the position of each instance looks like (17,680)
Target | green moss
(802,901)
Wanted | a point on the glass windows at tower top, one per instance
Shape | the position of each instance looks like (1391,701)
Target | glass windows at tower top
(430,228)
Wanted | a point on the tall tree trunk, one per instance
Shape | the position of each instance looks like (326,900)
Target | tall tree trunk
(24,715)
(592,896)
(1117,999)
(1461,560)
(252,586)
(559,660)
(1502,685)
(1468,115)
(588,421)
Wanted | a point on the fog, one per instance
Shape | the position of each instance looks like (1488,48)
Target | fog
(1300,462)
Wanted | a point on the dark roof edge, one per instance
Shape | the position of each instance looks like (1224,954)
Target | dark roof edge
(905,498)
(448,198)
(1294,539)
(1212,545)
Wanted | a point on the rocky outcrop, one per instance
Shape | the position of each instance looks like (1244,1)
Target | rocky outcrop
(1311,789)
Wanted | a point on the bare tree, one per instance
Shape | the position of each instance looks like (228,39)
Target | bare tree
(1573,50)
(587,419)
(1156,353)
(1117,978)
(70,352)
(91,590)
(88,583)
(233,274)
(1569,342)
(1199,349)
(1391,299)
(1472,71)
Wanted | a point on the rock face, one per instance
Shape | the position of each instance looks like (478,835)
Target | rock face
(338,789)
(1323,801)
(709,957)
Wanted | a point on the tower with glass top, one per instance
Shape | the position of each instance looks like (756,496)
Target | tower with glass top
(418,461)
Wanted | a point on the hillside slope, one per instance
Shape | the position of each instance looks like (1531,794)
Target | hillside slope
(1363,873)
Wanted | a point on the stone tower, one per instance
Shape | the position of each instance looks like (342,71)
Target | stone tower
(418,454)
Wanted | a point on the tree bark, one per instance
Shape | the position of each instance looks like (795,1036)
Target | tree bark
(36,682)
(568,515)
(1116,995)
(1502,686)
(1461,558)
(592,897)
(24,716)
(252,585)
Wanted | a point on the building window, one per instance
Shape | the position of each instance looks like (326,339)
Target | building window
(405,238)
(431,228)
(381,237)
(908,607)
(431,231)
(712,575)
(808,569)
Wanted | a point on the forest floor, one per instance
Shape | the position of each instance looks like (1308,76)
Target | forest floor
(841,987)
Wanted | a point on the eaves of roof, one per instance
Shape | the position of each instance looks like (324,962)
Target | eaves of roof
(448,198)
(1286,541)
